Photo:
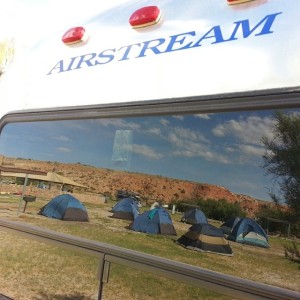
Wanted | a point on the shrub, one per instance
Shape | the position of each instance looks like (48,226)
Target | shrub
(214,209)
(292,252)
(280,215)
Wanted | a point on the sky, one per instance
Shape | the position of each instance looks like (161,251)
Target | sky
(223,149)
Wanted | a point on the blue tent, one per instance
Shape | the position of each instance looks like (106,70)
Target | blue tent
(194,216)
(229,224)
(155,221)
(126,208)
(248,231)
(65,207)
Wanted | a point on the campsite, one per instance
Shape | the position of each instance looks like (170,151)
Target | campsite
(47,272)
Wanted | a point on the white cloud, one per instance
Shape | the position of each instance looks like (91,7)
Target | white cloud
(154,131)
(219,131)
(252,150)
(180,135)
(63,149)
(198,150)
(189,143)
(186,142)
(248,130)
(118,123)
(203,116)
(229,149)
(146,151)
(164,122)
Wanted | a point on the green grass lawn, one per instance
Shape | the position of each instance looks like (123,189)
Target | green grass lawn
(40,271)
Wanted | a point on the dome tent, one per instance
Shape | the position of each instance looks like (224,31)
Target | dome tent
(126,208)
(248,231)
(65,207)
(154,221)
(194,216)
(228,225)
(205,238)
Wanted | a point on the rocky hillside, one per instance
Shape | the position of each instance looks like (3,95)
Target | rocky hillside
(150,188)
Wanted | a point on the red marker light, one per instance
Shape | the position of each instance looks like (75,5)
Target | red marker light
(231,2)
(145,16)
(74,35)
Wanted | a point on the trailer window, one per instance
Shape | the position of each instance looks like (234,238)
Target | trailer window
(174,161)
(221,149)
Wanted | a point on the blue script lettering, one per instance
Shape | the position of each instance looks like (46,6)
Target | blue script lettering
(266,29)
(178,42)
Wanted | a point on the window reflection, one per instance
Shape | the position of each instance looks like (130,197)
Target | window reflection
(213,155)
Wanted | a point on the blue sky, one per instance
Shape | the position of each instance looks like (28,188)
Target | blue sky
(222,149)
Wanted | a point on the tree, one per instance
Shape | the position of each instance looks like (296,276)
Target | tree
(6,54)
(282,159)
(220,209)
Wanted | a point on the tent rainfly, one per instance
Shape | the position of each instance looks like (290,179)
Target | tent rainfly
(205,238)
(194,216)
(154,221)
(126,208)
(65,207)
(228,225)
(248,231)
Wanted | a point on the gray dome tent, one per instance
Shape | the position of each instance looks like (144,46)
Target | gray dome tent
(194,216)
(126,208)
(205,238)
